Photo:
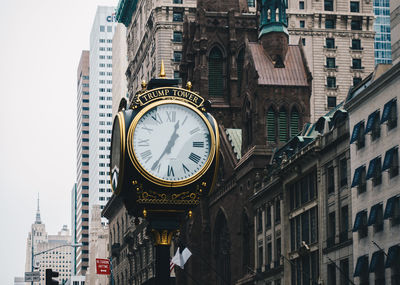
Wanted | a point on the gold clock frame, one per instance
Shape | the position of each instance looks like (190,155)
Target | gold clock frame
(149,176)
(122,130)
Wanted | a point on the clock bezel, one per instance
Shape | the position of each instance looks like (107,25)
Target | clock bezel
(147,175)
(122,130)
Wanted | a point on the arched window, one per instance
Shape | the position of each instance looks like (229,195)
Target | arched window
(294,122)
(282,125)
(222,250)
(215,73)
(240,62)
(271,125)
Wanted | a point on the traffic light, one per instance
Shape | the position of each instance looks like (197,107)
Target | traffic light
(49,277)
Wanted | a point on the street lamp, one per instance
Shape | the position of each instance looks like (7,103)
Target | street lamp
(47,250)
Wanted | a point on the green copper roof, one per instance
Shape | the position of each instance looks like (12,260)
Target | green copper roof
(235,138)
(125,10)
(273,27)
(273,16)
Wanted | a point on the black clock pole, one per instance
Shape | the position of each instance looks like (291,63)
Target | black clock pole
(162,264)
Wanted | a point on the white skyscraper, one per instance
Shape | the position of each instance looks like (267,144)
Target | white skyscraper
(100,106)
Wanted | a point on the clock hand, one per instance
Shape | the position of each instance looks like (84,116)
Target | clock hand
(169,146)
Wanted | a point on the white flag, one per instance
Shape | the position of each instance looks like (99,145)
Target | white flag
(180,259)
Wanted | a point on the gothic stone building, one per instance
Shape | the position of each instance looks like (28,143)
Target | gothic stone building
(259,87)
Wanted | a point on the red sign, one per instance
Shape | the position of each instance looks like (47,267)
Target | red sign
(102,266)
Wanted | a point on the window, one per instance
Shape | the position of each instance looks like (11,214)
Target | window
(359,179)
(302,23)
(177,56)
(375,171)
(330,175)
(360,224)
(356,44)
(331,82)
(343,172)
(354,6)
(344,224)
(271,125)
(373,125)
(302,191)
(303,41)
(282,125)
(215,73)
(109,29)
(344,267)
(390,114)
(177,16)
(239,65)
(176,74)
(259,221)
(301,5)
(331,274)
(294,122)
(356,81)
(268,255)
(330,43)
(329,24)
(391,162)
(392,210)
(356,25)
(102,28)
(330,62)
(328,5)
(177,37)
(260,256)
(177,1)
(268,217)
(331,229)
(303,227)
(358,135)
(251,3)
(376,217)
(277,211)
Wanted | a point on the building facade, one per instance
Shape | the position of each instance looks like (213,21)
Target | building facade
(154,33)
(395,30)
(383,49)
(48,251)
(301,208)
(338,39)
(80,192)
(120,64)
(375,176)
(100,105)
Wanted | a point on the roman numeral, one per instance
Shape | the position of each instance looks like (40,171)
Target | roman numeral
(147,129)
(184,121)
(171,116)
(143,142)
(195,130)
(194,157)
(146,155)
(198,144)
(170,171)
(185,169)
(156,117)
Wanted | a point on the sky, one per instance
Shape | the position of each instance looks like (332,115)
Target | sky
(41,43)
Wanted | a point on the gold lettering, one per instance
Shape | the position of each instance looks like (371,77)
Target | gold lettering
(195,99)
(160,92)
(151,96)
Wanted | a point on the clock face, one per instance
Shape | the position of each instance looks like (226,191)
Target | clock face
(172,142)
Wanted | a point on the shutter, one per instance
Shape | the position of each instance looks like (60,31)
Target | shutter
(271,131)
(215,76)
(294,123)
(282,126)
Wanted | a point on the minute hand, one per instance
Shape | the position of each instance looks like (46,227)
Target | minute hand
(169,146)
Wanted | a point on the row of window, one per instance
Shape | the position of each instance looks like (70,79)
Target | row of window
(104,57)
(105,90)
(103,73)
(105,49)
(268,213)
(378,266)
(377,216)
(104,40)
(105,115)
(330,23)
(375,169)
(103,29)
(104,65)
(389,116)
(280,126)
(329,6)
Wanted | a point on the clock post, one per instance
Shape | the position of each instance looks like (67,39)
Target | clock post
(164,158)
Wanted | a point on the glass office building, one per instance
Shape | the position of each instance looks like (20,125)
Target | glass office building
(383,49)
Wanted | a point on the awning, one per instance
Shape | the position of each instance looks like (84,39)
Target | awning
(387,162)
(373,213)
(373,166)
(357,176)
(393,255)
(376,259)
(356,131)
(371,119)
(362,264)
(389,211)
(359,220)
(386,110)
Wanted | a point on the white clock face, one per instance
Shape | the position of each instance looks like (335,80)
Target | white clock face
(171,142)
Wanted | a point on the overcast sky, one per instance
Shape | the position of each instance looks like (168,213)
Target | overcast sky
(41,42)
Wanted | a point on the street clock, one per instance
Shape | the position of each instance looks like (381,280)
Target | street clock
(171,143)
